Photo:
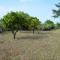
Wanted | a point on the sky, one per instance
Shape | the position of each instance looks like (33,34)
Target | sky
(42,9)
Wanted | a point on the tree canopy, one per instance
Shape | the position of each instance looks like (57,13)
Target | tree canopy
(56,12)
(48,25)
(15,21)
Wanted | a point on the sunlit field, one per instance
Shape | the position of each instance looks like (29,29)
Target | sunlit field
(44,45)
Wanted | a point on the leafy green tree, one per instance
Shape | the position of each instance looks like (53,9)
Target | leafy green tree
(15,21)
(56,12)
(35,23)
(48,25)
(2,28)
(11,22)
(27,22)
(2,25)
(24,19)
(58,25)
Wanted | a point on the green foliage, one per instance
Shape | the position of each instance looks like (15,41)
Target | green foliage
(56,12)
(15,21)
(48,25)
(27,22)
(34,23)
(2,27)
(23,18)
(58,25)
(11,22)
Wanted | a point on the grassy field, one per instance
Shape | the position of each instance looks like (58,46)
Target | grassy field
(29,46)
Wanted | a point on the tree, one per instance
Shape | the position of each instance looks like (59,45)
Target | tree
(28,22)
(58,25)
(34,23)
(2,28)
(24,22)
(48,25)
(11,22)
(15,21)
(56,12)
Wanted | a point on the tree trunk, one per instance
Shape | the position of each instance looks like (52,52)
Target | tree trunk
(14,34)
(33,30)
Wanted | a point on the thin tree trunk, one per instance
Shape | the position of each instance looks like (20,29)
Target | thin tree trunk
(14,34)
(33,30)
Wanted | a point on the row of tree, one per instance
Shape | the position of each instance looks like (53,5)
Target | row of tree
(14,21)
(23,21)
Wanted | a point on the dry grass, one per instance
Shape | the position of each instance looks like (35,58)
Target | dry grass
(28,46)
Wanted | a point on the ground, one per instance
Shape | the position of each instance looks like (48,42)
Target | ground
(44,45)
